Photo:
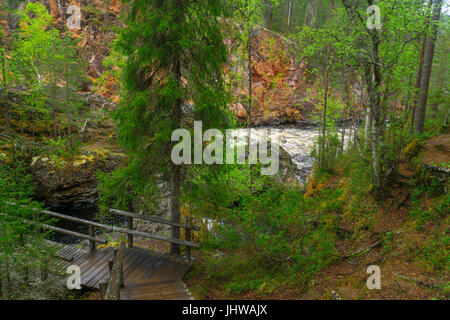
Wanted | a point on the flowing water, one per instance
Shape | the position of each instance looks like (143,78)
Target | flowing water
(298,143)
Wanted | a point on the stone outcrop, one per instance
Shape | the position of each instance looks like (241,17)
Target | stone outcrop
(287,170)
(70,183)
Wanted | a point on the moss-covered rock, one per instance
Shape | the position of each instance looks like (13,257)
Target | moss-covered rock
(63,182)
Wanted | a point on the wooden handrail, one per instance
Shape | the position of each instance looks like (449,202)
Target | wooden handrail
(60,230)
(122,230)
(115,281)
(130,215)
(129,231)
(153,219)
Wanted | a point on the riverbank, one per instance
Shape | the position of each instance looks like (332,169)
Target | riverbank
(403,233)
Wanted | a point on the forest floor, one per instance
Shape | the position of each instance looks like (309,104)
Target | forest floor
(413,261)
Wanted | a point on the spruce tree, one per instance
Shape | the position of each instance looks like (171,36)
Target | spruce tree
(175,56)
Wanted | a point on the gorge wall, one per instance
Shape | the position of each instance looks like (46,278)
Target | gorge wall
(279,83)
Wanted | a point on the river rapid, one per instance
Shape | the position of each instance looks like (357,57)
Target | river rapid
(297,142)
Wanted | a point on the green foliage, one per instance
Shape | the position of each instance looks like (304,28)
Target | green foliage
(434,255)
(36,41)
(120,189)
(59,148)
(246,15)
(45,67)
(174,54)
(22,250)
(423,214)
(327,156)
(268,240)
(113,64)
(438,124)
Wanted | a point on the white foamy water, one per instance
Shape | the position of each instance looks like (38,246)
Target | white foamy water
(298,143)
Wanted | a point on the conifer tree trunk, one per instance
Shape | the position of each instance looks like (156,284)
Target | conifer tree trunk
(324,116)
(175,207)
(250,92)
(55,130)
(69,120)
(250,79)
(441,78)
(53,105)
(289,16)
(269,13)
(418,82)
(325,99)
(175,180)
(368,125)
(7,118)
(373,79)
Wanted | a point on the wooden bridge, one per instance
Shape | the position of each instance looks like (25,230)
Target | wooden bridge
(127,272)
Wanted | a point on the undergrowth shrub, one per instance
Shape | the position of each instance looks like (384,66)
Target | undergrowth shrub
(22,248)
(326,157)
(434,255)
(276,239)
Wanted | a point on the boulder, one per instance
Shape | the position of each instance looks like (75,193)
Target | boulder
(287,170)
(64,183)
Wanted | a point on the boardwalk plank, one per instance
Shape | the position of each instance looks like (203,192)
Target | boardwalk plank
(98,267)
(147,264)
(137,263)
(131,263)
(103,274)
(147,267)
(148,275)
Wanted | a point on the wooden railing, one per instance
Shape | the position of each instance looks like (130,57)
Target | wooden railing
(188,229)
(110,290)
(129,230)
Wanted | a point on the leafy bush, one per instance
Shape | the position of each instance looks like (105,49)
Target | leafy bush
(326,152)
(434,255)
(22,249)
(274,240)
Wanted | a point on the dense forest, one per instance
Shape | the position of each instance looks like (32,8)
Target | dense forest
(128,105)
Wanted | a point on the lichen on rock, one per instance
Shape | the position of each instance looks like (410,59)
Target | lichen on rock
(71,182)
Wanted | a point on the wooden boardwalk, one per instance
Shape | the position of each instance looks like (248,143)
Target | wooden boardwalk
(145,274)
(148,275)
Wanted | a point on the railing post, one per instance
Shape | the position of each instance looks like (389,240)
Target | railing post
(188,238)
(130,236)
(111,264)
(122,283)
(115,281)
(103,285)
(91,242)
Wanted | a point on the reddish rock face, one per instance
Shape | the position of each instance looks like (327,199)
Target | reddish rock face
(95,35)
(279,83)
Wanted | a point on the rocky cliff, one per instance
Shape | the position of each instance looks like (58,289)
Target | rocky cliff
(279,83)
(67,183)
